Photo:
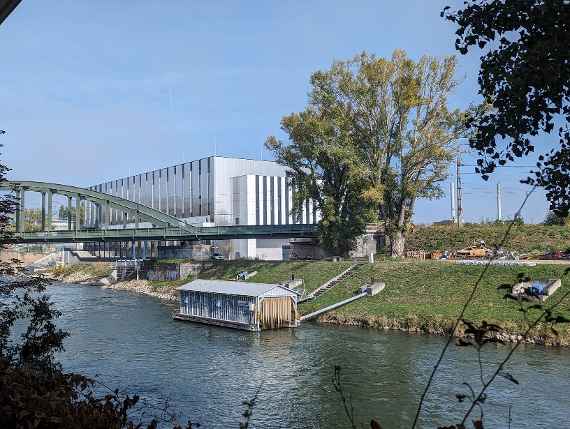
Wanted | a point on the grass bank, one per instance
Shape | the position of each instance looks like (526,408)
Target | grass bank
(313,273)
(420,296)
(533,239)
(427,296)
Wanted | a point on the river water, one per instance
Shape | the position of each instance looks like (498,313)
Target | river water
(130,341)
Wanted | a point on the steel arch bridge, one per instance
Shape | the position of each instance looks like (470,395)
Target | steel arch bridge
(165,226)
(138,212)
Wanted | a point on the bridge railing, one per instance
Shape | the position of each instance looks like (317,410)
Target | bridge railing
(175,234)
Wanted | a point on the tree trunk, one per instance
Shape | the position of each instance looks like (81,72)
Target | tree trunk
(397,243)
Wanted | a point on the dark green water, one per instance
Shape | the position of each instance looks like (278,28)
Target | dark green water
(130,341)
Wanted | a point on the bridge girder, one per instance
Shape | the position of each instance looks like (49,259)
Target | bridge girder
(167,234)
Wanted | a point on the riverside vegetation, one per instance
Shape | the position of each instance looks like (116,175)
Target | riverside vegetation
(420,297)
(523,239)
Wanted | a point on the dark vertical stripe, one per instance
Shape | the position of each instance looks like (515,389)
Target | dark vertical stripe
(279,201)
(264,200)
(272,200)
(314,213)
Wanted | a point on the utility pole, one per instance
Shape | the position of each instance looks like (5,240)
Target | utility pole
(459,193)
(499,211)
(452,198)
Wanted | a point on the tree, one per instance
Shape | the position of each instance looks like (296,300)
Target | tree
(387,121)
(32,219)
(552,218)
(63,213)
(323,163)
(525,79)
(34,390)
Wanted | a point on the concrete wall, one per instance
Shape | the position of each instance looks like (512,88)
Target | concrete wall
(270,249)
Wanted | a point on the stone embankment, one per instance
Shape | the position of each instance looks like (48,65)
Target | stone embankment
(108,282)
(144,287)
(439,327)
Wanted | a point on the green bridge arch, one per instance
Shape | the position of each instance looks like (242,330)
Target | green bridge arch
(137,212)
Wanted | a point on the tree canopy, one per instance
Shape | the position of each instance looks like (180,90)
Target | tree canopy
(377,134)
(525,79)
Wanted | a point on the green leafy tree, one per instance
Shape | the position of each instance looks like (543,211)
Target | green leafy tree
(322,161)
(387,134)
(553,218)
(525,78)
(63,213)
(32,219)
(35,392)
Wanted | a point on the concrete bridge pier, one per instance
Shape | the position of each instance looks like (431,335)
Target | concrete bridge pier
(43,211)
(49,211)
(69,209)
(77,224)
(20,207)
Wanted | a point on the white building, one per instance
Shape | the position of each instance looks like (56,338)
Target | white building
(215,191)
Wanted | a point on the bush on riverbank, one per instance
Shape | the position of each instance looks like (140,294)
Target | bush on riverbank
(81,272)
(534,239)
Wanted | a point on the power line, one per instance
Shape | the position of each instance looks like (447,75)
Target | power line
(503,166)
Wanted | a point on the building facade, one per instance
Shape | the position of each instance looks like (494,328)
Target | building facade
(212,191)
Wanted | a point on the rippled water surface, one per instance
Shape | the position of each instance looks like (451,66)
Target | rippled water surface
(131,342)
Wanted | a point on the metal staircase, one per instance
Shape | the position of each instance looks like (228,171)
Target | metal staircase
(127,269)
(329,284)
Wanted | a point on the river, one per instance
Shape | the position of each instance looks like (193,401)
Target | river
(130,342)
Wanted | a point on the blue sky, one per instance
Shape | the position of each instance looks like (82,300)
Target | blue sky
(91,91)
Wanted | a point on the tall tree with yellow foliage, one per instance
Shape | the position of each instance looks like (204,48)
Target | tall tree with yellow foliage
(388,122)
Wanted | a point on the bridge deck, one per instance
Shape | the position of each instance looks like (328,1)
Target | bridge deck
(177,234)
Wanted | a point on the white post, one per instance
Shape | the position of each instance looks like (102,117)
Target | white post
(499,213)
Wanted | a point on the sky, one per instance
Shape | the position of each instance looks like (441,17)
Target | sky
(92,91)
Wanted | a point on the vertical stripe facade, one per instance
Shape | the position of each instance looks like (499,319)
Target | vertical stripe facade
(188,190)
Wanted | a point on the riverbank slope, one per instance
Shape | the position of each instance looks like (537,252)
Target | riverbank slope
(420,297)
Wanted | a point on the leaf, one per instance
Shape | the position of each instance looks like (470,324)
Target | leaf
(375,425)
(509,376)
(561,319)
(535,307)
(505,286)
(478,424)
(462,343)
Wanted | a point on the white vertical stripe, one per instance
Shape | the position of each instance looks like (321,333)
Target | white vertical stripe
(275,201)
(261,204)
